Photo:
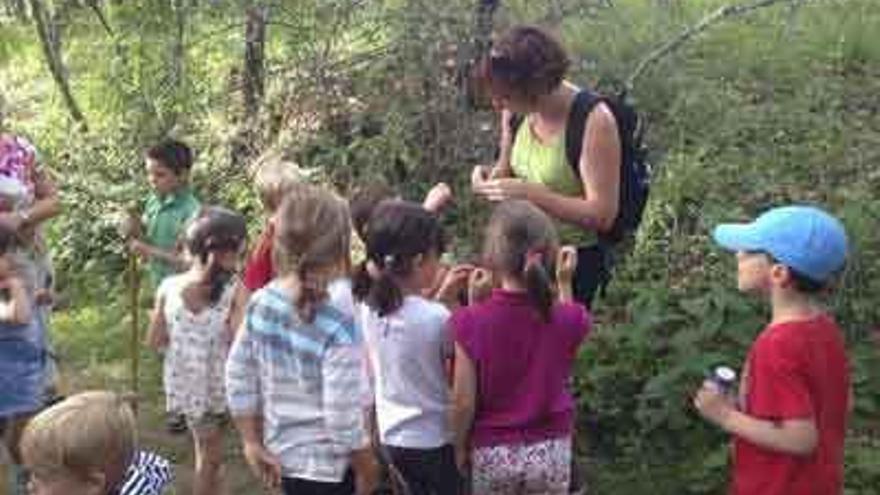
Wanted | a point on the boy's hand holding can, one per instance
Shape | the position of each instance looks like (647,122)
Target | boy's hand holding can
(715,400)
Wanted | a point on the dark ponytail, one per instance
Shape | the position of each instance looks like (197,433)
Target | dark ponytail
(216,278)
(215,230)
(361,282)
(539,286)
(397,232)
(375,285)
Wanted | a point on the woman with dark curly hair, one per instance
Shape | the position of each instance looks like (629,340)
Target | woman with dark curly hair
(524,74)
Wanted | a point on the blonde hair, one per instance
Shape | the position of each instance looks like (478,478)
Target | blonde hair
(86,433)
(312,242)
(274,176)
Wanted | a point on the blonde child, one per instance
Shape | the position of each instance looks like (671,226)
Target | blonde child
(513,414)
(408,344)
(273,177)
(294,377)
(87,445)
(191,320)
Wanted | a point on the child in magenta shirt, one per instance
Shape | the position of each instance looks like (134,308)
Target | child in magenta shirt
(513,414)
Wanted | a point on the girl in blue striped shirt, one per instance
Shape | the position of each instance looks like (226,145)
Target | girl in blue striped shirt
(295,378)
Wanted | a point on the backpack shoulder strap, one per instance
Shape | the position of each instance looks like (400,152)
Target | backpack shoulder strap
(583,104)
(516,120)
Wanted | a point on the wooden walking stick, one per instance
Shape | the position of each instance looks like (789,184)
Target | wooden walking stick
(131,231)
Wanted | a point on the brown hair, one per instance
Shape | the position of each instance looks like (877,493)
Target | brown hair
(521,242)
(312,242)
(526,61)
(174,155)
(397,233)
(364,201)
(86,433)
(215,229)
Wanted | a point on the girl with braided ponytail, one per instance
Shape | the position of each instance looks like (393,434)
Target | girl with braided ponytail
(512,411)
(294,377)
(191,320)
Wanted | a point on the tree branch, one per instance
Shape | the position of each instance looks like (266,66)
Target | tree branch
(96,8)
(706,22)
(56,66)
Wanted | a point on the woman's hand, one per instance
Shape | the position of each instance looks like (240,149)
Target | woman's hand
(263,464)
(504,189)
(479,175)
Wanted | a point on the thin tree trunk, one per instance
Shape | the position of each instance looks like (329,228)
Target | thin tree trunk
(56,66)
(254,59)
(19,8)
(471,55)
(178,50)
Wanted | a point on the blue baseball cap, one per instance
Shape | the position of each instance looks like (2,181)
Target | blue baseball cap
(804,238)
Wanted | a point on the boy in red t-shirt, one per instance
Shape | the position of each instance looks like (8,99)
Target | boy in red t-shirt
(274,177)
(790,423)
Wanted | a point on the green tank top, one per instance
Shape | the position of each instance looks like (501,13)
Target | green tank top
(547,164)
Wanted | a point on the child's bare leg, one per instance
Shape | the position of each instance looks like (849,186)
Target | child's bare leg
(208,440)
(14,427)
(12,436)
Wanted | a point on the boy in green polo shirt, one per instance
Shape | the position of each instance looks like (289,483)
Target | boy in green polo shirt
(168,209)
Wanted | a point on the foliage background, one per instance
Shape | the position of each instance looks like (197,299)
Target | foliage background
(777,106)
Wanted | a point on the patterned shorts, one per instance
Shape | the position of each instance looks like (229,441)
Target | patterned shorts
(542,467)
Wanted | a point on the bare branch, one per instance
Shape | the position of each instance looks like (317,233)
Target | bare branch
(56,66)
(706,22)
(96,8)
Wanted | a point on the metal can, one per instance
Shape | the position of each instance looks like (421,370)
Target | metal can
(724,377)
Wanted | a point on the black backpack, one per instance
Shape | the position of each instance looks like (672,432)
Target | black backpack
(635,173)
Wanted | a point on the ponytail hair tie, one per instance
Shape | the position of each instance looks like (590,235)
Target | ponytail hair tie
(534,256)
(373,270)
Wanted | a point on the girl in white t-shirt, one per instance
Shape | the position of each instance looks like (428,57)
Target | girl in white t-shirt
(408,344)
(191,320)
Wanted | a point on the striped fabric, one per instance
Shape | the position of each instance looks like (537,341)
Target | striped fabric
(304,379)
(148,474)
